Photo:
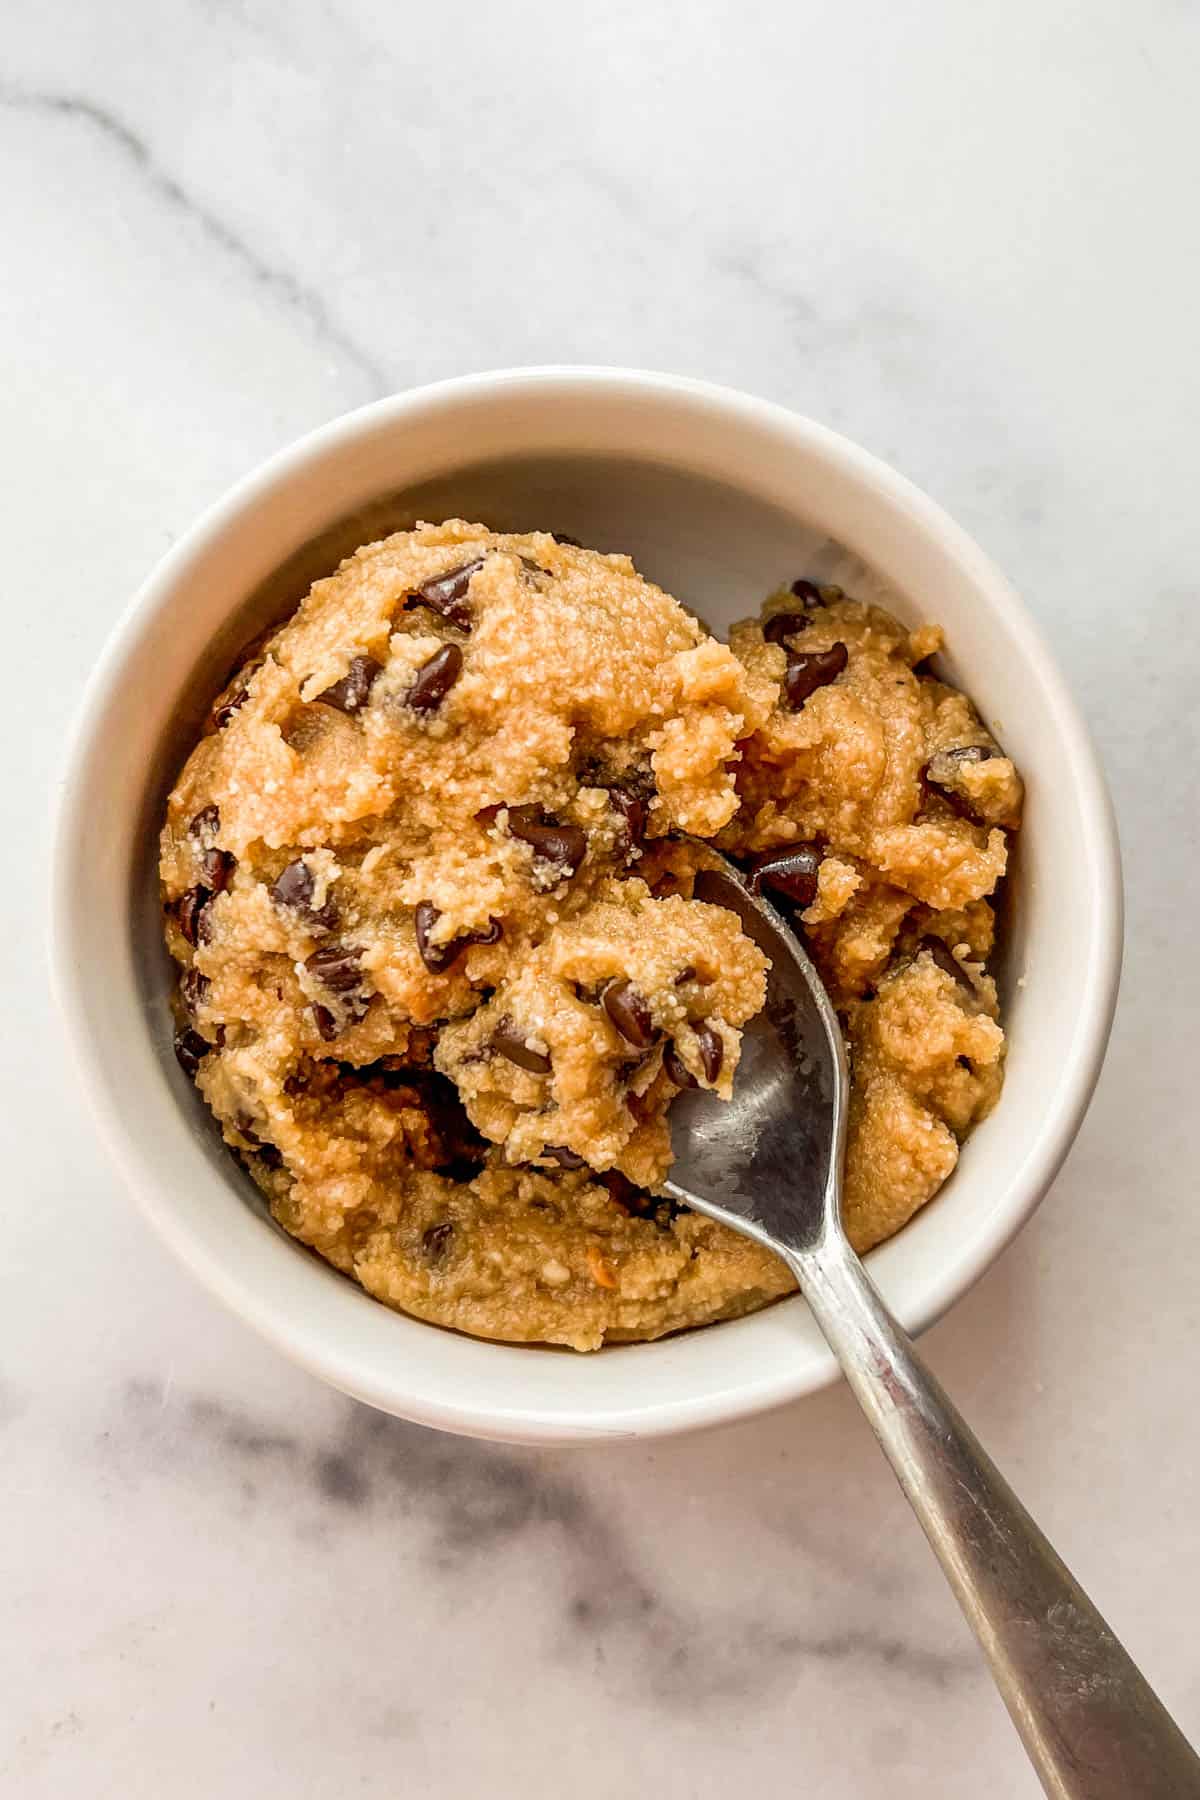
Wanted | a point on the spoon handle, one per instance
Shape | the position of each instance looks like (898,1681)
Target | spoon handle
(1093,1727)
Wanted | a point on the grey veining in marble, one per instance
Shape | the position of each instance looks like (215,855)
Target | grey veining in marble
(968,237)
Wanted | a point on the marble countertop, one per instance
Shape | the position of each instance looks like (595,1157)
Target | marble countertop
(968,237)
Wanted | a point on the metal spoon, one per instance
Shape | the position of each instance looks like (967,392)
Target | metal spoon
(770,1165)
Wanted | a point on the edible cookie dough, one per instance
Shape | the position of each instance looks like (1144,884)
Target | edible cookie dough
(441,969)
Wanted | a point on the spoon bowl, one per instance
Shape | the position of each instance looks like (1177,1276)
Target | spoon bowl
(769,1163)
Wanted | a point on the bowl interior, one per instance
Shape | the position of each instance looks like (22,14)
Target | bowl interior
(718,501)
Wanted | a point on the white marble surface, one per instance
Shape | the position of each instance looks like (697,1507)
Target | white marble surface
(968,236)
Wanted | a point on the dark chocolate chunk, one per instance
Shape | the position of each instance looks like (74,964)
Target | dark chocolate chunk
(561,537)
(194,987)
(630,1199)
(335,966)
(245,1125)
(434,679)
(946,960)
(712,1051)
(562,846)
(352,692)
(508,1041)
(941,771)
(435,1242)
(446,594)
(206,823)
(189,911)
(677,1070)
(191,1049)
(566,1159)
(295,889)
(790,870)
(438,957)
(269,1156)
(325,1023)
(217,868)
(631,810)
(225,709)
(808,671)
(629,1010)
(808,591)
(782,625)
(685,975)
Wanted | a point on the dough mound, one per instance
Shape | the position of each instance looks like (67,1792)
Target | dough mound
(441,970)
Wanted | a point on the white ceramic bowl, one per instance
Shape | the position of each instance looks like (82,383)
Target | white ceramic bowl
(718,497)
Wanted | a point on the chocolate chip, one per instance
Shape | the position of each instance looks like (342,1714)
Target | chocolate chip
(434,679)
(562,846)
(245,1125)
(194,987)
(269,1156)
(685,975)
(712,1051)
(566,1159)
(629,1010)
(352,692)
(806,672)
(191,1049)
(446,594)
(790,870)
(782,625)
(434,956)
(561,537)
(225,709)
(438,957)
(189,911)
(206,823)
(435,1243)
(947,962)
(677,1070)
(487,815)
(508,1041)
(623,1193)
(808,591)
(217,868)
(941,773)
(632,813)
(295,889)
(335,966)
(325,1023)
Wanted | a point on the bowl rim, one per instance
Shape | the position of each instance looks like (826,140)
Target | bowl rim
(741,1397)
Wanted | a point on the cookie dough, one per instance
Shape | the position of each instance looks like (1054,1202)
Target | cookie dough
(441,969)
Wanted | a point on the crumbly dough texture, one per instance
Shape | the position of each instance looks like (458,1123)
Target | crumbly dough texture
(441,969)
